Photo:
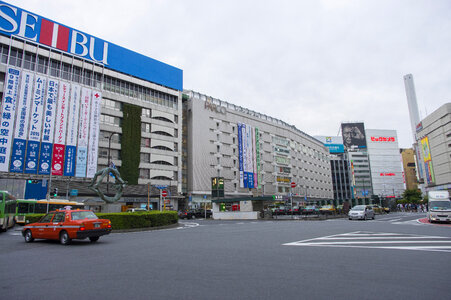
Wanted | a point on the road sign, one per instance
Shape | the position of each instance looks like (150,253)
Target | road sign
(164,193)
(293,184)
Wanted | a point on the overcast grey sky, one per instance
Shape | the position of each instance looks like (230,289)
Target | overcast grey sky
(312,64)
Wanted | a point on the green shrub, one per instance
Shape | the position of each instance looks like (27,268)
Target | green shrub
(127,220)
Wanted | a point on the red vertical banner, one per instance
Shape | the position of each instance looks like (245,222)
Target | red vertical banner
(58,159)
(60,129)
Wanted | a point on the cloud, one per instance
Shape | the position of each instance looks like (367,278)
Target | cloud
(312,64)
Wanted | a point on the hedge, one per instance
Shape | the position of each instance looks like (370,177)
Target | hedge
(128,220)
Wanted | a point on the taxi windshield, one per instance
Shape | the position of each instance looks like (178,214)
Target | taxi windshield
(80,215)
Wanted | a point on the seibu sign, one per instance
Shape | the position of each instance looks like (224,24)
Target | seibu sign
(15,21)
(35,28)
(383,139)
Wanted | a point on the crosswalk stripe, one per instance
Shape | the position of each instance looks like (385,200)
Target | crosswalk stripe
(364,239)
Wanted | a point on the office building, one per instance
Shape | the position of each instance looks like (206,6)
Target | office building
(409,167)
(385,163)
(434,140)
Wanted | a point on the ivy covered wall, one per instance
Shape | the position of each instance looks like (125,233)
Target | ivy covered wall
(131,143)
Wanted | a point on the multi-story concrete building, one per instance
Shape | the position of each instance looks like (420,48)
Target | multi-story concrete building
(254,153)
(354,142)
(385,163)
(434,141)
(126,108)
(409,167)
(340,168)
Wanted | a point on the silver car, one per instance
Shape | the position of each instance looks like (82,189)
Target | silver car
(363,212)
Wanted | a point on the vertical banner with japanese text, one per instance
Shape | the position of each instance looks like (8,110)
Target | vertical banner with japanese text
(244,138)
(21,128)
(94,131)
(59,144)
(83,133)
(254,156)
(259,175)
(10,91)
(240,155)
(34,135)
(249,152)
(72,130)
(45,157)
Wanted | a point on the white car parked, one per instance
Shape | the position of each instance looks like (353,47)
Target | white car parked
(363,212)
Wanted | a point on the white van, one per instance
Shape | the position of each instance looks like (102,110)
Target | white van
(439,206)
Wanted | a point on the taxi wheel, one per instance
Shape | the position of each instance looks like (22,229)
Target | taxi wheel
(64,238)
(94,239)
(28,236)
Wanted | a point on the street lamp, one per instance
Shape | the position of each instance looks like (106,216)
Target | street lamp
(109,158)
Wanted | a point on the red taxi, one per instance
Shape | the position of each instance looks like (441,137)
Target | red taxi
(67,224)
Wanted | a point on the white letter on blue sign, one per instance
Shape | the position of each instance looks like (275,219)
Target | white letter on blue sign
(74,43)
(24,25)
(8,18)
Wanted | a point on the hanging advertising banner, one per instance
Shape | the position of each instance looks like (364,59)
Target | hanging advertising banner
(430,177)
(419,161)
(10,93)
(426,149)
(244,138)
(59,145)
(45,156)
(94,134)
(258,177)
(240,155)
(83,133)
(250,165)
(21,128)
(34,135)
(254,155)
(72,130)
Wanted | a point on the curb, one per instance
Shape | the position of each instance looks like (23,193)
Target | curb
(145,228)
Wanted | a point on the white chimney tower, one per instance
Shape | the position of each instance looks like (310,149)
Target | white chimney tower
(412,103)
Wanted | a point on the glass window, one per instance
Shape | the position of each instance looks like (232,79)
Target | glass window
(30,61)
(59,217)
(145,157)
(47,218)
(80,215)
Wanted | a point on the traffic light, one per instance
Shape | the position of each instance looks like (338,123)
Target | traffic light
(33,181)
(55,192)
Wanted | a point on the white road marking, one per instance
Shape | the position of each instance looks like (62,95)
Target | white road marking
(363,239)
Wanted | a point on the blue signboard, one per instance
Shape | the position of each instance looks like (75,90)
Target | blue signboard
(35,189)
(335,148)
(27,25)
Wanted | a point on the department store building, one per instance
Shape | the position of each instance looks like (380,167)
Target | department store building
(256,155)
(83,103)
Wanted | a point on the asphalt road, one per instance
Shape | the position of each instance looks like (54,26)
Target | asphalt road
(392,257)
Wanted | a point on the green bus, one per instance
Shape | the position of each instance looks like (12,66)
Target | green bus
(7,210)
(31,206)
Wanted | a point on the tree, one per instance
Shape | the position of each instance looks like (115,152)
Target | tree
(412,196)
